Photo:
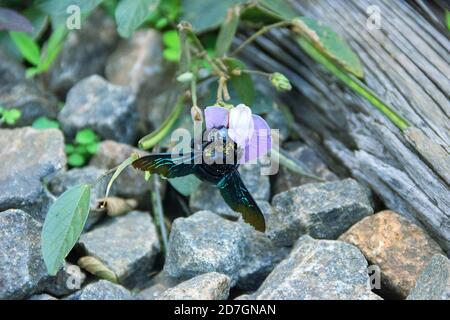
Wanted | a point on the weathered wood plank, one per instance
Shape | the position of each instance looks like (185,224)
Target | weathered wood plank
(406,63)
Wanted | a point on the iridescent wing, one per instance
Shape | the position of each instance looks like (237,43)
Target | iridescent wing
(239,199)
(166,165)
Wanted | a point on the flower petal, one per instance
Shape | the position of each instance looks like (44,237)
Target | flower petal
(260,142)
(216,117)
(241,125)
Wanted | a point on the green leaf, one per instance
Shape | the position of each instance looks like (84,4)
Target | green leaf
(447,18)
(69,148)
(156,136)
(57,9)
(243,83)
(45,123)
(86,136)
(227,31)
(27,47)
(354,83)
(92,148)
(130,14)
(38,19)
(206,15)
(10,116)
(172,54)
(185,185)
(76,160)
(31,72)
(171,39)
(265,12)
(53,47)
(63,225)
(330,44)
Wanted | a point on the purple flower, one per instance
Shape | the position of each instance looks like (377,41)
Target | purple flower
(250,132)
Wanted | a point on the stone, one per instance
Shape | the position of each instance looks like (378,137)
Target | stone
(137,60)
(319,270)
(128,245)
(400,248)
(131,182)
(308,158)
(28,158)
(69,279)
(86,175)
(22,268)
(277,120)
(434,282)
(84,53)
(204,242)
(322,210)
(102,290)
(261,255)
(42,296)
(208,197)
(208,286)
(157,285)
(23,94)
(108,109)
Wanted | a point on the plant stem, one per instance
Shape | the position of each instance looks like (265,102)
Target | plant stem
(158,210)
(284,23)
(257,72)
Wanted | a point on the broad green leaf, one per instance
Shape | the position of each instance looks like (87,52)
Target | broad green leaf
(76,159)
(27,47)
(206,15)
(172,54)
(243,83)
(282,8)
(156,136)
(264,12)
(63,225)
(92,148)
(227,31)
(57,9)
(171,39)
(14,21)
(330,44)
(130,14)
(10,116)
(69,148)
(354,83)
(45,123)
(86,136)
(185,185)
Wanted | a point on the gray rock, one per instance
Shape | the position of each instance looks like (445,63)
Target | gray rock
(128,245)
(87,175)
(434,282)
(108,109)
(42,296)
(208,197)
(277,120)
(21,265)
(29,157)
(26,95)
(69,279)
(85,53)
(323,210)
(136,60)
(319,270)
(208,286)
(102,290)
(203,243)
(157,285)
(131,182)
(261,255)
(245,297)
(311,162)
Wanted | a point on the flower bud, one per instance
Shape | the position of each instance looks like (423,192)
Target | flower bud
(280,82)
(185,77)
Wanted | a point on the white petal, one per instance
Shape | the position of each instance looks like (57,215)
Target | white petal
(241,124)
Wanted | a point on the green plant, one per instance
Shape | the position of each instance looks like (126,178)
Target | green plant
(41,59)
(45,123)
(172,50)
(85,145)
(9,116)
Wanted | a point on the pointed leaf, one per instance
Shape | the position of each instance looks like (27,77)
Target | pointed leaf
(227,31)
(27,47)
(63,225)
(243,83)
(130,14)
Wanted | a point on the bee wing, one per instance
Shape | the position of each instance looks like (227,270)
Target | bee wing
(236,195)
(166,165)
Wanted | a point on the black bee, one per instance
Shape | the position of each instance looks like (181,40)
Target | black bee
(213,168)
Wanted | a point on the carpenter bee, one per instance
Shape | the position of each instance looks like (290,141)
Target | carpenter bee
(218,165)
